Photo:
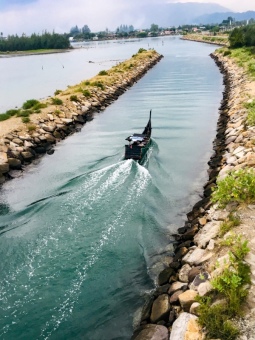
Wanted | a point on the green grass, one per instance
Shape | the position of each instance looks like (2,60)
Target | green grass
(98,84)
(24,113)
(229,286)
(12,112)
(229,223)
(103,73)
(4,116)
(29,104)
(74,98)
(56,101)
(86,93)
(238,186)
(57,92)
(216,320)
(244,57)
(25,119)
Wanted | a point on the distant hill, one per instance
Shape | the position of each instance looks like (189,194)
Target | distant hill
(169,14)
(217,18)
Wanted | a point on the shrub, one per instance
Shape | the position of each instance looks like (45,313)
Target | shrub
(230,286)
(87,83)
(12,112)
(29,104)
(227,52)
(57,92)
(24,113)
(31,127)
(74,98)
(98,84)
(238,186)
(232,221)
(141,50)
(86,93)
(215,319)
(4,116)
(39,106)
(25,119)
(56,101)
(103,73)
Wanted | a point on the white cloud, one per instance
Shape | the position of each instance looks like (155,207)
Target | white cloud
(61,15)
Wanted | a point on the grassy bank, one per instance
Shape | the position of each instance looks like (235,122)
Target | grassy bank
(32,52)
(84,89)
(243,57)
(217,39)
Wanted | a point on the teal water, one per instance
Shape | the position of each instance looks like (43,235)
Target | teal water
(82,230)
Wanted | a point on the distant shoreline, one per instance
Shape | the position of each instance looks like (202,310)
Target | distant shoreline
(33,52)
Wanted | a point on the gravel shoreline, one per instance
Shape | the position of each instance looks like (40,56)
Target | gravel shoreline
(171,311)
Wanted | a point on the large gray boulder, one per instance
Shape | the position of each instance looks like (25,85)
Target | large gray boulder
(152,332)
(160,308)
(208,232)
(197,256)
(186,328)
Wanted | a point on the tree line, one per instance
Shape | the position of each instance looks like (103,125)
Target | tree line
(34,42)
(242,36)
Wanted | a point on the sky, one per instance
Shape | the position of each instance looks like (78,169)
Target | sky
(36,16)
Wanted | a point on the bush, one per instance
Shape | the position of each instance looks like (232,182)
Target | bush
(226,53)
(39,106)
(30,104)
(31,127)
(74,98)
(103,73)
(215,319)
(24,113)
(232,221)
(56,101)
(86,93)
(238,186)
(57,92)
(87,83)
(229,286)
(25,119)
(98,84)
(4,116)
(141,50)
(12,112)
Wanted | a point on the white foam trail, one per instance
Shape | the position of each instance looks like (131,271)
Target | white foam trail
(142,177)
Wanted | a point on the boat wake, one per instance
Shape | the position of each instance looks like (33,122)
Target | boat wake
(76,232)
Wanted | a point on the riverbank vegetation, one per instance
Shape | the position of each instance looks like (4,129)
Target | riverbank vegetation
(34,42)
(229,291)
(82,91)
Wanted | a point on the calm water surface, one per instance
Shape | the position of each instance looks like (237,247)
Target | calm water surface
(82,230)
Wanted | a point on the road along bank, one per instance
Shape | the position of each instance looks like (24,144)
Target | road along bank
(210,279)
(66,113)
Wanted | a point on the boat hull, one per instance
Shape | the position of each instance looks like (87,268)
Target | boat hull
(136,152)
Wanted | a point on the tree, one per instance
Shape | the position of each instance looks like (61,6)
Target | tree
(154,28)
(236,38)
(75,30)
(85,29)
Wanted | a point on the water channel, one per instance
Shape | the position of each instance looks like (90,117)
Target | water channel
(81,231)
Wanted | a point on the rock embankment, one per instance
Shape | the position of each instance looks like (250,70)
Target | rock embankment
(172,311)
(213,40)
(20,146)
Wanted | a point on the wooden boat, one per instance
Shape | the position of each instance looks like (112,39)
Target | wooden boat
(139,143)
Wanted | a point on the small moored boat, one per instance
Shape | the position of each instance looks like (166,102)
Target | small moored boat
(139,143)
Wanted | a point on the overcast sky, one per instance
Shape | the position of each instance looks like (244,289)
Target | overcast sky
(28,16)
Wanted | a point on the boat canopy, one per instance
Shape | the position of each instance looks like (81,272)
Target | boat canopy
(136,137)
